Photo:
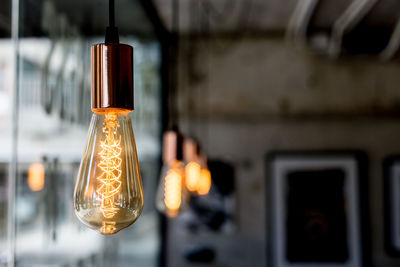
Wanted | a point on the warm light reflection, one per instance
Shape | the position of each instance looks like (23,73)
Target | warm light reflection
(36,176)
(173,192)
(204,183)
(110,164)
(192,175)
(89,191)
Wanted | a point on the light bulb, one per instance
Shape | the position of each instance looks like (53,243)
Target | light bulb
(36,176)
(192,175)
(204,184)
(171,195)
(108,194)
(192,168)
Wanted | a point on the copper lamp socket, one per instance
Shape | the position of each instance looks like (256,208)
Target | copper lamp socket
(191,150)
(112,76)
(172,146)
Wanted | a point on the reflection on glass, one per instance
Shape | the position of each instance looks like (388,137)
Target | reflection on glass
(36,176)
(53,116)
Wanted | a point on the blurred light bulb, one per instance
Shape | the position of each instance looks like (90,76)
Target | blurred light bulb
(192,175)
(192,169)
(204,184)
(171,193)
(108,194)
(173,185)
(36,176)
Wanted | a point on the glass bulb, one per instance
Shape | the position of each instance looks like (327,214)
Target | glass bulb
(171,193)
(108,194)
(204,185)
(192,175)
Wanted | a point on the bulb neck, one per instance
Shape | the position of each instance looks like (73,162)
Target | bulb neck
(191,150)
(103,111)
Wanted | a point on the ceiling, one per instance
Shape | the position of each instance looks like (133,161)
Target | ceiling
(227,16)
(87,17)
(355,24)
(327,26)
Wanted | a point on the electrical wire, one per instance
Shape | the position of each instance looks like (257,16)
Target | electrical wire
(174,74)
(112,35)
(202,16)
(111,13)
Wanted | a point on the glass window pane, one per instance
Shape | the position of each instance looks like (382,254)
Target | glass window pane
(7,67)
(53,117)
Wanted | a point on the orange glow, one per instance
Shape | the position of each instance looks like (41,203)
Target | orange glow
(173,192)
(204,184)
(110,165)
(192,175)
(89,191)
(110,110)
(36,176)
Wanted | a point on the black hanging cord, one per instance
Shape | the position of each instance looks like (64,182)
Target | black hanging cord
(111,13)
(191,97)
(174,76)
(112,36)
(175,16)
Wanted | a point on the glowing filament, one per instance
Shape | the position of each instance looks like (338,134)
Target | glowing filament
(110,165)
(192,175)
(108,227)
(173,192)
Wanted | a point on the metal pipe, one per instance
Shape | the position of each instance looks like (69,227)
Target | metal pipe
(299,21)
(394,44)
(356,11)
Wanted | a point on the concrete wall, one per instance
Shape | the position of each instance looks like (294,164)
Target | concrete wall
(245,98)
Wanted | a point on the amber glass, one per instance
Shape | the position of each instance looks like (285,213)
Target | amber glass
(108,194)
(172,196)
